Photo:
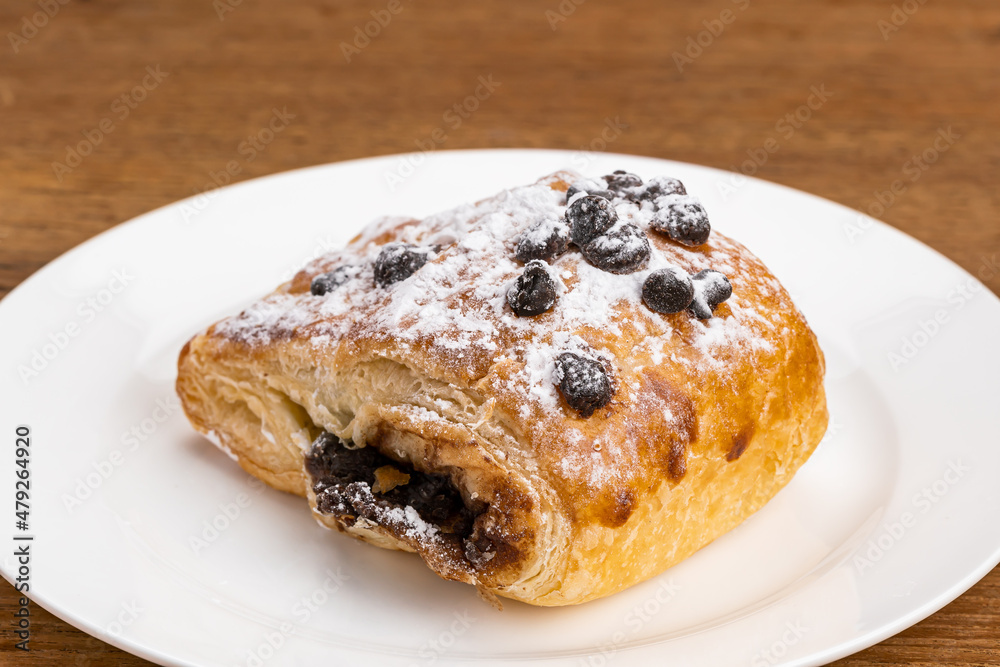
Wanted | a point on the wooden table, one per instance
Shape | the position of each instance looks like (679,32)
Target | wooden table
(156,98)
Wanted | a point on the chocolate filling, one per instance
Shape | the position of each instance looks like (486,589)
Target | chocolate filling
(350,483)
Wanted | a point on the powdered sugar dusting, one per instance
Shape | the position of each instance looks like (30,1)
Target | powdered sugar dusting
(454,308)
(403,520)
(216,440)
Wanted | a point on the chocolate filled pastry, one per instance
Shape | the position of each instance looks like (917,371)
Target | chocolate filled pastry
(552,394)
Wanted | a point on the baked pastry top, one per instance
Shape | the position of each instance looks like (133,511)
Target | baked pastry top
(540,428)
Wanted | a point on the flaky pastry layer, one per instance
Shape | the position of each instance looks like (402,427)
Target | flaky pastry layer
(709,419)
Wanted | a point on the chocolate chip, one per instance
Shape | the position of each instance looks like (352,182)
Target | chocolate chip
(607,194)
(657,187)
(621,180)
(621,250)
(534,291)
(668,290)
(545,240)
(398,261)
(710,289)
(683,219)
(591,187)
(325,283)
(588,217)
(583,383)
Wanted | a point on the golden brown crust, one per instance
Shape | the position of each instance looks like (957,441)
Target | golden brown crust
(709,418)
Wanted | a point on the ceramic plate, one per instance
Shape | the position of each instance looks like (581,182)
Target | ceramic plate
(151,539)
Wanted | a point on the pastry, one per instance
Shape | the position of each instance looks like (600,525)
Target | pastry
(552,394)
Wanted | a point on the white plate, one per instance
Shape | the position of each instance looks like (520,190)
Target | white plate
(894,516)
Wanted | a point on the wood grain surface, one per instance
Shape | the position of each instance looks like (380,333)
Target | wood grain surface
(161,96)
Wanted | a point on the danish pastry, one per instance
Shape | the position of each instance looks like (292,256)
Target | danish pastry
(551,394)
